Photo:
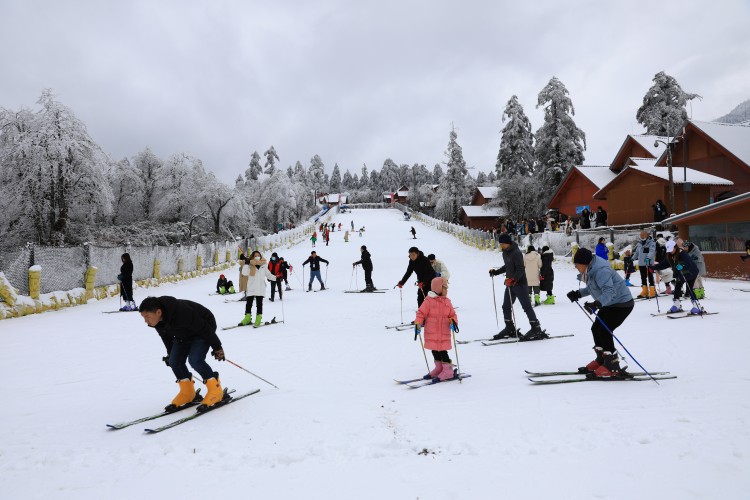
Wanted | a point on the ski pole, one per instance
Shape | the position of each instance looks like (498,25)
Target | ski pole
(690,291)
(401,295)
(426,363)
(325,281)
(282,307)
(494,300)
(650,271)
(454,330)
(251,373)
(513,313)
(615,337)
(352,277)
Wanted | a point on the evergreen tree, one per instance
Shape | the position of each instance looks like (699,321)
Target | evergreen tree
(453,191)
(149,166)
(481,179)
(239,182)
(254,169)
(491,178)
(516,155)
(663,110)
(290,172)
(390,176)
(316,175)
(364,180)
(437,174)
(335,181)
(271,158)
(347,182)
(559,142)
(300,175)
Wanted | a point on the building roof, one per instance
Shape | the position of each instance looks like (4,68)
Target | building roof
(692,176)
(734,137)
(482,211)
(648,142)
(707,208)
(488,192)
(334,197)
(402,194)
(599,176)
(644,162)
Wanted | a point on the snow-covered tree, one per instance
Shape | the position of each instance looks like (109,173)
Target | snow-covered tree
(559,142)
(481,179)
(347,182)
(290,172)
(364,179)
(437,174)
(520,196)
(335,181)
(253,169)
(663,110)
(271,159)
(300,175)
(127,192)
(239,182)
(277,202)
(149,165)
(178,188)
(390,176)
(453,191)
(316,175)
(516,155)
(491,178)
(216,197)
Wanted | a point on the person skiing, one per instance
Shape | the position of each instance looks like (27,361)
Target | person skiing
(326,235)
(126,283)
(547,275)
(346,236)
(274,267)
(314,262)
(612,304)
(645,251)
(366,263)
(532,262)
(413,233)
(256,288)
(420,265)
(285,270)
(441,271)
(516,287)
(314,238)
(352,224)
(243,277)
(627,264)
(439,319)
(700,263)
(602,250)
(188,330)
(685,272)
(224,286)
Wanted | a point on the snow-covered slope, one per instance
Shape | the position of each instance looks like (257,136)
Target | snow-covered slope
(339,427)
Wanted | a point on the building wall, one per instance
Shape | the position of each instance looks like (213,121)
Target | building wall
(578,191)
(702,155)
(478,199)
(486,223)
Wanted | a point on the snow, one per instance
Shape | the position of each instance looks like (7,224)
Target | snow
(650,144)
(734,137)
(339,428)
(483,211)
(694,176)
(488,192)
(599,176)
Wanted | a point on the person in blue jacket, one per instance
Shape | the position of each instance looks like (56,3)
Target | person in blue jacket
(602,250)
(612,304)
(685,272)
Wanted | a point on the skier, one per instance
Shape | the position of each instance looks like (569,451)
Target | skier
(314,262)
(224,286)
(126,283)
(366,263)
(413,233)
(188,330)
(274,267)
(441,271)
(346,237)
(438,317)
(516,287)
(326,235)
(285,270)
(602,250)
(352,221)
(256,288)
(420,265)
(645,251)
(314,238)
(627,264)
(697,256)
(547,275)
(243,277)
(532,261)
(664,275)
(685,272)
(612,304)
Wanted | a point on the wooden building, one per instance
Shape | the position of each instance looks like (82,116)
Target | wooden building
(577,188)
(481,217)
(483,195)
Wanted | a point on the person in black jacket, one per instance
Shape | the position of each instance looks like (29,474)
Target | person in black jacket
(547,274)
(188,330)
(585,221)
(285,268)
(516,287)
(314,262)
(126,283)
(366,263)
(419,264)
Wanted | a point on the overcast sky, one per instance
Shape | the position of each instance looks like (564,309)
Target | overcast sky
(360,81)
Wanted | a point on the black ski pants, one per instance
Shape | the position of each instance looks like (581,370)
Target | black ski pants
(249,304)
(520,292)
(679,280)
(441,356)
(646,271)
(612,316)
(368,278)
(275,284)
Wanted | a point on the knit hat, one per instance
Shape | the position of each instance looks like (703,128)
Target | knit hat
(670,246)
(437,285)
(661,241)
(583,256)
(504,238)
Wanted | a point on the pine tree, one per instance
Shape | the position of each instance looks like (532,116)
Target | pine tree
(254,169)
(271,158)
(437,174)
(663,110)
(290,172)
(390,176)
(453,190)
(335,181)
(316,175)
(347,182)
(559,142)
(516,155)
(364,180)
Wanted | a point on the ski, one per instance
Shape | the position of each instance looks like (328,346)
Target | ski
(225,294)
(403,382)
(224,402)
(474,340)
(404,328)
(229,301)
(118,311)
(364,291)
(425,383)
(554,374)
(193,403)
(402,325)
(689,315)
(599,379)
(656,315)
(269,323)
(519,341)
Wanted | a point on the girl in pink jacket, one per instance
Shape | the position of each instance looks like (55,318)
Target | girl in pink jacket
(438,317)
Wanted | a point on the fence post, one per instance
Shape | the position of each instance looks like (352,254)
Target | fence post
(157,263)
(89,277)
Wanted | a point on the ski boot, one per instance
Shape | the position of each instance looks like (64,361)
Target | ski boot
(676,306)
(258,320)
(447,372)
(537,300)
(696,311)
(214,393)
(126,307)
(287,288)
(246,320)
(611,367)
(508,332)
(644,293)
(322,286)
(592,367)
(627,282)
(550,300)
(651,292)
(435,371)
(185,396)
(535,333)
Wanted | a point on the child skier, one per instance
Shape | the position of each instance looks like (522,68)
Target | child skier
(627,264)
(439,319)
(314,238)
(547,275)
(685,272)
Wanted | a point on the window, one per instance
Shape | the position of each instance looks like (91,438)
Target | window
(721,237)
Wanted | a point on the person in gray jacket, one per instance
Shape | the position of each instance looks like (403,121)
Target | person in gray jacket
(644,254)
(441,270)
(516,288)
(612,304)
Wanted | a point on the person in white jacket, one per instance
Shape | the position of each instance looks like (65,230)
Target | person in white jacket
(441,270)
(257,272)
(533,263)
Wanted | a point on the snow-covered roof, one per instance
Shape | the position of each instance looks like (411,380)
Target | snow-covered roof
(483,211)
(648,141)
(488,192)
(402,194)
(334,197)
(644,162)
(733,137)
(706,208)
(693,176)
(599,176)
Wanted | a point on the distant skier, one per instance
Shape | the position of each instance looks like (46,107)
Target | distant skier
(188,330)
(627,264)
(224,286)
(352,221)
(532,262)
(612,304)
(126,283)
(314,238)
(441,271)
(314,262)
(413,232)
(439,319)
(274,267)
(420,265)
(547,275)
(685,272)
(516,288)
(366,263)
(256,288)
(645,251)
(285,270)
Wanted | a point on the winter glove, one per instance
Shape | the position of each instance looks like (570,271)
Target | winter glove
(493,272)
(454,326)
(591,307)
(166,360)
(541,278)
(420,284)
(417,330)
(218,354)
(648,261)
(510,282)
(574,295)
(399,284)
(679,267)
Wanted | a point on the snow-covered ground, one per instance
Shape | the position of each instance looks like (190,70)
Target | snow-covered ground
(339,427)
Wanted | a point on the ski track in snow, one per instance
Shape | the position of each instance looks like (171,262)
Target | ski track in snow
(340,428)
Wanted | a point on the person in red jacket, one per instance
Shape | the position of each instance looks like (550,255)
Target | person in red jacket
(275,268)
(439,318)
